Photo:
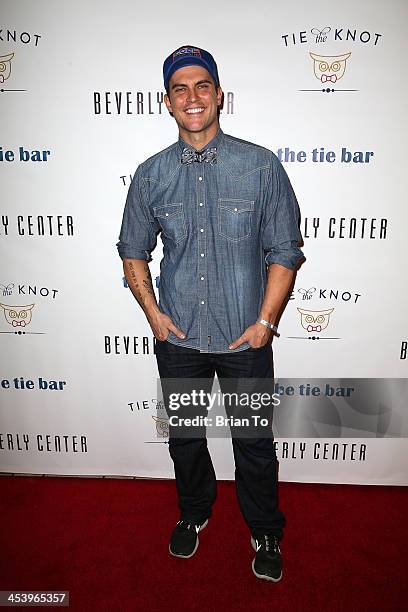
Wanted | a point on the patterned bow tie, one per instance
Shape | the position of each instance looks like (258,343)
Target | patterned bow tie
(188,156)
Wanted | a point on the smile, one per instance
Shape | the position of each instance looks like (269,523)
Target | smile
(192,111)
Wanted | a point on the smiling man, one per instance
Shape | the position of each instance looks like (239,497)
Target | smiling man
(229,222)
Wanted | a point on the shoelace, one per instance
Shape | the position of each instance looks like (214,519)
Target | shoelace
(266,543)
(187,526)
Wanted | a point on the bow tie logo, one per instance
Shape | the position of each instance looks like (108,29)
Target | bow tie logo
(188,156)
(18,323)
(328,77)
(316,328)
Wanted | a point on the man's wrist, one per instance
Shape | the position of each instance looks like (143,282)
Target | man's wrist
(152,310)
(267,324)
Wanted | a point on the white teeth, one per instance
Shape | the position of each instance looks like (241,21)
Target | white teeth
(194,110)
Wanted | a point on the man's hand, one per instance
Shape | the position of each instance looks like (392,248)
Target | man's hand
(257,335)
(162,324)
(277,288)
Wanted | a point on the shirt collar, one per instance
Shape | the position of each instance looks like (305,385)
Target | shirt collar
(215,142)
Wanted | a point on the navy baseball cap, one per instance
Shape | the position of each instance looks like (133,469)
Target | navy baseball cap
(189,56)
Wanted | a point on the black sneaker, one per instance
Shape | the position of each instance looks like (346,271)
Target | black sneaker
(184,539)
(267,563)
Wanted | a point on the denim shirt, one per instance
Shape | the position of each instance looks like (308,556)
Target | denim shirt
(221,225)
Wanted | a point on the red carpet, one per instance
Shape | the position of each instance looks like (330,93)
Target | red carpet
(345,547)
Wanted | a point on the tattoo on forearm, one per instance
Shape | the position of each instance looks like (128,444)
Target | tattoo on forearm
(148,286)
(134,279)
(146,283)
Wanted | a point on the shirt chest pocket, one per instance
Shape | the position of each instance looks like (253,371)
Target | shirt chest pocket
(234,218)
(171,220)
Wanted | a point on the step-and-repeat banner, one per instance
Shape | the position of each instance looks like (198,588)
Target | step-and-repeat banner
(81,98)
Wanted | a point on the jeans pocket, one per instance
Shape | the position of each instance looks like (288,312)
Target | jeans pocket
(258,348)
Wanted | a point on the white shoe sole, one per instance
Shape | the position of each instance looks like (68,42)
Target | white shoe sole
(195,548)
(262,576)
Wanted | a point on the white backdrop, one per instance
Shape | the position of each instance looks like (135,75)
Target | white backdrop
(82,81)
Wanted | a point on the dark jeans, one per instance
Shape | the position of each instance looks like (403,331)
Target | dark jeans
(256,465)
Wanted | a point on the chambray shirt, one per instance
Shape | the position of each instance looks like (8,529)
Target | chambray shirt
(221,225)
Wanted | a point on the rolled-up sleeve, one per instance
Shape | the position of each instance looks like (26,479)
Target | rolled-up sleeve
(281,236)
(138,234)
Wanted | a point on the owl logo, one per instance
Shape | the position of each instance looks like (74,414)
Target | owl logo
(162,427)
(329,67)
(5,66)
(18,316)
(315,320)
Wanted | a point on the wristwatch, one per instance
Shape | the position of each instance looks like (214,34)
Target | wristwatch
(267,324)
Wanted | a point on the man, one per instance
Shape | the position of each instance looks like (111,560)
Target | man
(229,223)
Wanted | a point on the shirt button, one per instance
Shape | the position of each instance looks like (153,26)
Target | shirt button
(235,209)
(202,254)
(202,277)
(167,214)
(201,204)
(200,178)
(202,301)
(201,230)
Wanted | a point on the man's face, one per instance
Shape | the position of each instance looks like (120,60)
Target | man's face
(193,99)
